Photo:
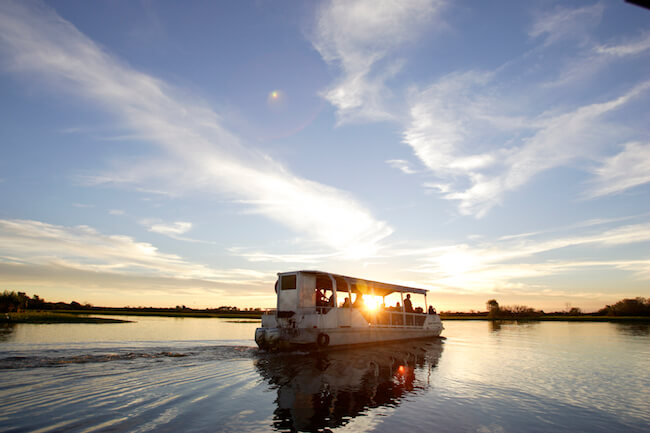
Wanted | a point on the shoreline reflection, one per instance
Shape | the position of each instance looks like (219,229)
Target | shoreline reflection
(326,390)
(633,329)
(6,330)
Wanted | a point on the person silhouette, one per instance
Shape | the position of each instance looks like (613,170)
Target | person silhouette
(408,306)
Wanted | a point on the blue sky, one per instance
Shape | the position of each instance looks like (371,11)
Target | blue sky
(163,153)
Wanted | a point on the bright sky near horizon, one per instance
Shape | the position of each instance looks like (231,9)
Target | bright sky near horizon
(159,153)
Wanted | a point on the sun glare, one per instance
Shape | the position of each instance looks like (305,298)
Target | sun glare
(371,302)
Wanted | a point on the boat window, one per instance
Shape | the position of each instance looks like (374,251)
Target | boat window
(288,282)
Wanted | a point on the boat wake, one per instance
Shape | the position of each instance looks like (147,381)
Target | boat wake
(58,358)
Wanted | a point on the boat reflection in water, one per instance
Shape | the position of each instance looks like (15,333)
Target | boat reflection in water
(327,390)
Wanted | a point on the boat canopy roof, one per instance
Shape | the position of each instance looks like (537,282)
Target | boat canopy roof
(366,287)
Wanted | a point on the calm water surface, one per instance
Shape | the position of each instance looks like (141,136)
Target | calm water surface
(168,374)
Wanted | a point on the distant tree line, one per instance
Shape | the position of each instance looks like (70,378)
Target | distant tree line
(11,301)
(627,307)
(631,307)
(20,301)
(624,308)
(495,311)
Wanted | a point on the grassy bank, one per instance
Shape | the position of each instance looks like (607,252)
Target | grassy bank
(130,312)
(256,316)
(81,316)
(46,317)
(549,318)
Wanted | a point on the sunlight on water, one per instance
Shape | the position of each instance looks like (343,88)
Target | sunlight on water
(142,329)
(165,374)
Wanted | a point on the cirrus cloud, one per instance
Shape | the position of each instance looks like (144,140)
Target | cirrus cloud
(36,41)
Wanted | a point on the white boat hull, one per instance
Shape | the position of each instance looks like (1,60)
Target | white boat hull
(323,338)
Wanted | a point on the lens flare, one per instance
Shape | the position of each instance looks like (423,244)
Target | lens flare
(276,100)
(275,96)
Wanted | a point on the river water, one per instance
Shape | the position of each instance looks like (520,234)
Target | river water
(199,375)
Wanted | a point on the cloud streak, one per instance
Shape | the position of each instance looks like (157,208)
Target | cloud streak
(356,36)
(625,170)
(563,24)
(36,41)
(28,242)
(176,228)
(512,262)
(480,138)
(76,262)
(475,145)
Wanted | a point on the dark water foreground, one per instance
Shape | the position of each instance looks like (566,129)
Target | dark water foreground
(539,377)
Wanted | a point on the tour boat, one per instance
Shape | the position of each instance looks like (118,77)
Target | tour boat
(307,318)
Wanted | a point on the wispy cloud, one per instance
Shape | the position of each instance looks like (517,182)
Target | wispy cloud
(512,261)
(440,118)
(595,57)
(582,224)
(77,261)
(34,40)
(116,212)
(476,135)
(478,149)
(356,36)
(564,23)
(294,258)
(625,170)
(175,230)
(84,248)
(628,48)
(402,165)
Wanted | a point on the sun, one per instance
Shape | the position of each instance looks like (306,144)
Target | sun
(371,302)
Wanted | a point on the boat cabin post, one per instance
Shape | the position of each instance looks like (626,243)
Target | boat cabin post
(335,301)
(374,312)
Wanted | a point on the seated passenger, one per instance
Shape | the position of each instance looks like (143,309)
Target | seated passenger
(321,299)
(432,310)
(331,301)
(346,303)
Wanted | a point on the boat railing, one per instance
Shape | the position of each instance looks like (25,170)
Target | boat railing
(399,318)
(382,318)
(323,309)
